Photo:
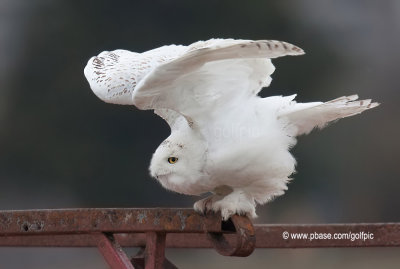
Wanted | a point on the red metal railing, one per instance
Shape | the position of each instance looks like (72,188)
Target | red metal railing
(155,229)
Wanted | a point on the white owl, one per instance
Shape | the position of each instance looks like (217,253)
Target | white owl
(225,139)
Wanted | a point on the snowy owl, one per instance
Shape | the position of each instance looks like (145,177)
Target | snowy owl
(225,139)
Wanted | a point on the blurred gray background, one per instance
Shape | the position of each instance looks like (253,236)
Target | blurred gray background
(60,146)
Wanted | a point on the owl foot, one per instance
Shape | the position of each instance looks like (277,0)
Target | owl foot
(205,205)
(237,202)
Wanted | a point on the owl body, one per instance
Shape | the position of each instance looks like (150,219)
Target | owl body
(225,139)
(229,150)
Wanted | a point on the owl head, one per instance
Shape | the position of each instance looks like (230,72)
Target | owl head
(179,161)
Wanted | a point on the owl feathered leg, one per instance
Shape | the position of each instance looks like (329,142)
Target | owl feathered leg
(205,205)
(237,202)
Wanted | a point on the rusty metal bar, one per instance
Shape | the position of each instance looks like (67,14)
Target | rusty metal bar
(244,235)
(154,229)
(70,221)
(112,252)
(267,236)
(155,250)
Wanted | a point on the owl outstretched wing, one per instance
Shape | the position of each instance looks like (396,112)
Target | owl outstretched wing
(113,75)
(193,80)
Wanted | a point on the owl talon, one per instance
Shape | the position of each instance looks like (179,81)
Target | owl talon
(205,205)
(235,203)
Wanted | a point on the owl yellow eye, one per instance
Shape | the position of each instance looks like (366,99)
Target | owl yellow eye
(172,160)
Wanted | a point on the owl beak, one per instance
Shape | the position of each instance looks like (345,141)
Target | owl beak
(157,176)
(161,176)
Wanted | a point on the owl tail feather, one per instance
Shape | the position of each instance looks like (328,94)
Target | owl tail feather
(318,116)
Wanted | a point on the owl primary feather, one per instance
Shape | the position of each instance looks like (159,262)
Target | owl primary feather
(225,139)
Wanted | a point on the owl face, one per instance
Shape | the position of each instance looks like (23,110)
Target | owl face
(178,162)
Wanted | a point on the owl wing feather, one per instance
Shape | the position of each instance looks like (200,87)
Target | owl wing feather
(307,116)
(113,75)
(209,78)
(192,80)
